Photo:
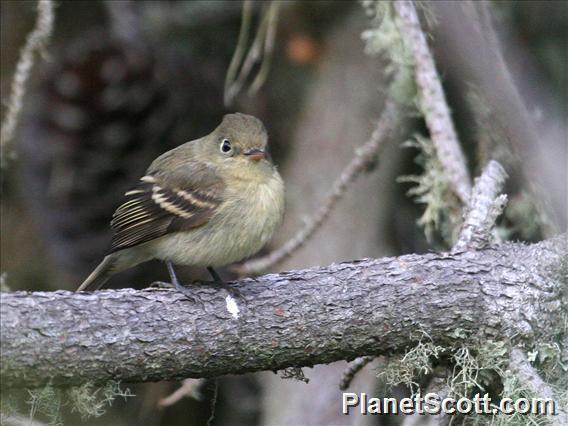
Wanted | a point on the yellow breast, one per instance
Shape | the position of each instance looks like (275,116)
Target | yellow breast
(243,224)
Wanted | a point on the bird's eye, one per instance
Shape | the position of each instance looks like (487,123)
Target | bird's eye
(226,146)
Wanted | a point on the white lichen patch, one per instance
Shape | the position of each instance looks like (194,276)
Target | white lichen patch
(232,306)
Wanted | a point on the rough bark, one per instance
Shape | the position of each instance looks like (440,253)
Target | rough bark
(296,318)
(484,207)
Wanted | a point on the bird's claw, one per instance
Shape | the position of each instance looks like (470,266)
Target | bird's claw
(161,284)
(175,286)
(233,292)
(186,290)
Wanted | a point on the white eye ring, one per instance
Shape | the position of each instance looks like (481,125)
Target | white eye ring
(225,146)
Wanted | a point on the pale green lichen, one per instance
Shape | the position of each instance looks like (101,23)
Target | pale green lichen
(514,390)
(474,369)
(442,213)
(407,368)
(384,40)
(48,402)
(91,401)
(547,357)
(442,208)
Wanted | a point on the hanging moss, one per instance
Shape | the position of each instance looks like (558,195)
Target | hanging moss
(442,213)
(407,368)
(47,403)
(474,369)
(384,40)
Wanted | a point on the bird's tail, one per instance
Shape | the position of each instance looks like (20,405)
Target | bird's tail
(100,275)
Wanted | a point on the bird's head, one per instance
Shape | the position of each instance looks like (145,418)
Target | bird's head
(239,145)
(240,137)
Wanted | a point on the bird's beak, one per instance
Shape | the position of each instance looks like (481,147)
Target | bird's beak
(256,154)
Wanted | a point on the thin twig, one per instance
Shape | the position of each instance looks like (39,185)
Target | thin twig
(484,207)
(253,56)
(239,51)
(36,43)
(213,404)
(439,386)
(352,369)
(528,376)
(433,101)
(189,388)
(363,156)
(272,22)
(260,50)
(295,373)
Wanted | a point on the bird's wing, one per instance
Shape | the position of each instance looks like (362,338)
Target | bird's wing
(163,203)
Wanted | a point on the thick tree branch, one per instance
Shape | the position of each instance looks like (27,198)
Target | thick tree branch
(297,318)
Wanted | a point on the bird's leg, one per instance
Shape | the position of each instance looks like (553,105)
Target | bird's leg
(173,276)
(177,285)
(175,282)
(214,275)
(219,282)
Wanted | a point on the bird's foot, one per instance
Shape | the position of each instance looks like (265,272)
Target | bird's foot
(186,291)
(235,293)
(161,284)
(218,282)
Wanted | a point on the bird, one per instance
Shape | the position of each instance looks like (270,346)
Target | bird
(209,203)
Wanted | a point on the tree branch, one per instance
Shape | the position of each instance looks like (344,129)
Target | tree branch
(297,318)
(484,207)
(35,43)
(529,377)
(433,101)
(352,369)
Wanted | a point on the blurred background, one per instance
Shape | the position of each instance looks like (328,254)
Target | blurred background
(125,81)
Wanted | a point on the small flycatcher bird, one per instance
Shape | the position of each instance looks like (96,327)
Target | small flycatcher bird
(209,202)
